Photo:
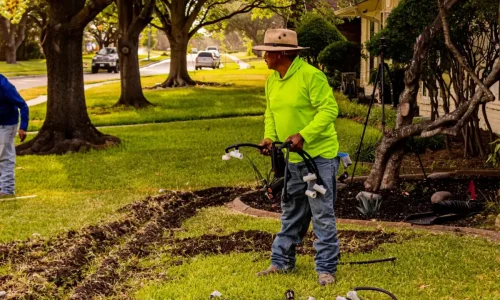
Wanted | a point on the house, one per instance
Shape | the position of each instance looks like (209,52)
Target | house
(373,15)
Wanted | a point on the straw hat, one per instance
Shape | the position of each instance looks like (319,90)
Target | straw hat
(279,40)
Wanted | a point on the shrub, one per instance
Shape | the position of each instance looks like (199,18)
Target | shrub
(316,33)
(343,56)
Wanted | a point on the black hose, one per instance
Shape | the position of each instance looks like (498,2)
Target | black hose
(369,288)
(366,262)
(284,195)
(236,146)
(314,165)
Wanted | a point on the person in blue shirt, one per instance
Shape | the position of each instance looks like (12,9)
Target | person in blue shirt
(10,105)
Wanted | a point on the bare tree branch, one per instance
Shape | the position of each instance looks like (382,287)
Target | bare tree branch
(143,19)
(456,53)
(88,13)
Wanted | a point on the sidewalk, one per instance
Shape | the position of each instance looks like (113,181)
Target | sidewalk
(242,64)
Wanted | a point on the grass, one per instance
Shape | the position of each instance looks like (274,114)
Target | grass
(23,68)
(246,97)
(429,266)
(80,189)
(353,110)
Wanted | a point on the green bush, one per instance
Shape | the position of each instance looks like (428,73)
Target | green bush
(355,111)
(420,144)
(343,56)
(316,33)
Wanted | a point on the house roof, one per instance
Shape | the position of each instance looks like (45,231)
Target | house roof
(368,8)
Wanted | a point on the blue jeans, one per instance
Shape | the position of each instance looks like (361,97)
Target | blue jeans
(297,213)
(7,158)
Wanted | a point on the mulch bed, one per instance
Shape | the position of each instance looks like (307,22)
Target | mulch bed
(411,197)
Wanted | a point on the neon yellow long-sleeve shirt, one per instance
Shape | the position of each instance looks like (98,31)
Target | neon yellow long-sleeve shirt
(302,102)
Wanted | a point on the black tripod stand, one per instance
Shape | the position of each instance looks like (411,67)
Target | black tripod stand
(380,76)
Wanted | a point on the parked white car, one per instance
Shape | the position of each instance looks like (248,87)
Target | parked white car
(207,59)
(213,49)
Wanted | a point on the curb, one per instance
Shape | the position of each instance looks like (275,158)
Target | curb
(238,206)
(450,174)
(26,76)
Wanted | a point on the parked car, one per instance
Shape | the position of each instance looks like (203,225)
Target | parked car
(194,50)
(207,59)
(213,49)
(106,58)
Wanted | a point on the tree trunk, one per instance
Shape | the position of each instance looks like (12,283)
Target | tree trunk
(10,54)
(389,154)
(130,24)
(13,35)
(178,75)
(131,87)
(67,127)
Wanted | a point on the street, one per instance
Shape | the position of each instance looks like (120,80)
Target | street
(159,68)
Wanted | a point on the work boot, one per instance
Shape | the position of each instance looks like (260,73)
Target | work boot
(326,278)
(271,270)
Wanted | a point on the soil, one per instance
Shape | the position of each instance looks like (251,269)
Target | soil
(98,260)
(411,197)
(254,240)
(443,160)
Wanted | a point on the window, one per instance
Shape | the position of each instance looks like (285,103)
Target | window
(205,54)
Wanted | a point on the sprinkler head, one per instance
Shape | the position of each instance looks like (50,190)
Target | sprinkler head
(226,156)
(236,154)
(311,194)
(309,177)
(319,188)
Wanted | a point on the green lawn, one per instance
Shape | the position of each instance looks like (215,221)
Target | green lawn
(245,96)
(78,189)
(429,266)
(24,68)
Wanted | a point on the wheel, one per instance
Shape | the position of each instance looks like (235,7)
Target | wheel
(95,70)
(116,69)
(110,70)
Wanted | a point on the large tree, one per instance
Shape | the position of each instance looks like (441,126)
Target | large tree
(133,17)
(390,153)
(13,19)
(182,19)
(67,127)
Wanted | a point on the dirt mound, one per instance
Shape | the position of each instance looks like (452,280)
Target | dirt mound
(254,240)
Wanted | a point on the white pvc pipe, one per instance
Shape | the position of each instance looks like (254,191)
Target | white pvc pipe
(311,194)
(310,177)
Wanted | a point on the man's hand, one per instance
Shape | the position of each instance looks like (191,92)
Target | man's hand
(297,142)
(22,135)
(266,143)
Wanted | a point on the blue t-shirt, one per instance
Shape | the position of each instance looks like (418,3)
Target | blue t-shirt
(10,104)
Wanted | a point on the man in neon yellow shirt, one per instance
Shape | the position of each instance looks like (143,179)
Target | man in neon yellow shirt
(301,109)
